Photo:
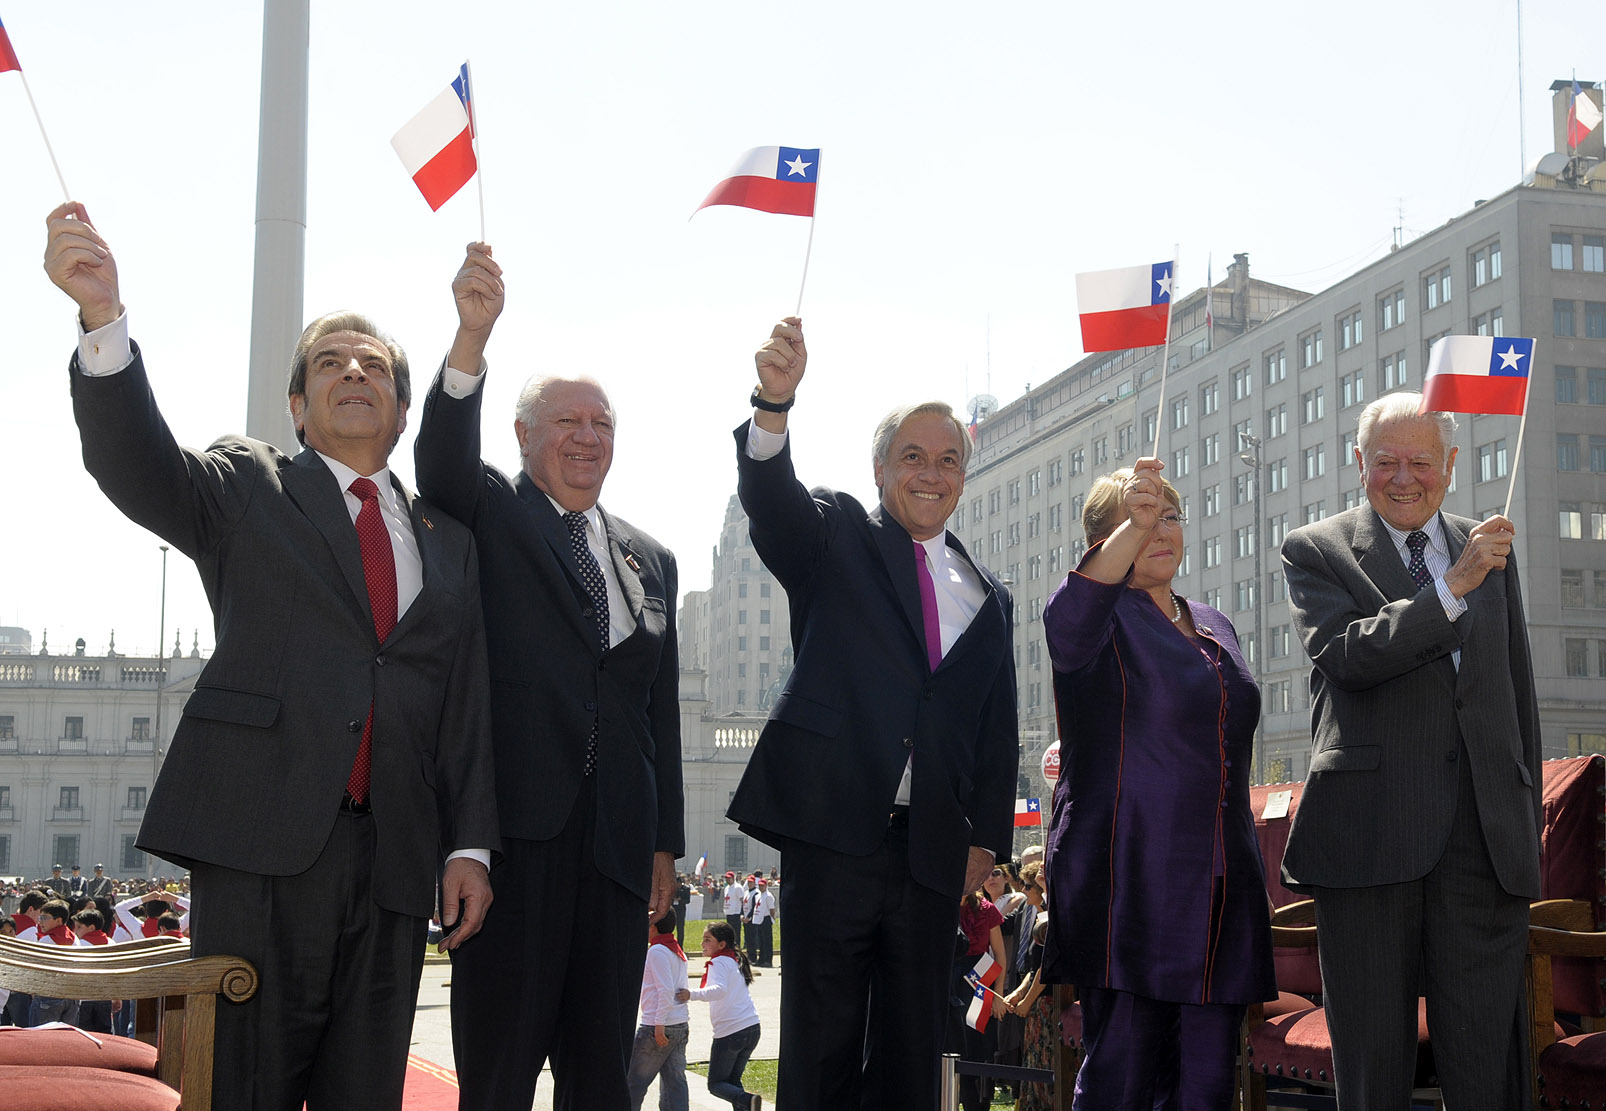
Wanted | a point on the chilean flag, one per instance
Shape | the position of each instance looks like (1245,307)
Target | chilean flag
(8,56)
(1477,374)
(437,145)
(1028,812)
(1582,115)
(979,1011)
(770,179)
(1129,307)
(985,972)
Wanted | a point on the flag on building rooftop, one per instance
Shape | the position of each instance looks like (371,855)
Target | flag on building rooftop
(1582,115)
(979,1011)
(1126,307)
(437,145)
(1477,374)
(8,56)
(1028,812)
(771,179)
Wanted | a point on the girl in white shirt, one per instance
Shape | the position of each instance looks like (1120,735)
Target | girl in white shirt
(731,1011)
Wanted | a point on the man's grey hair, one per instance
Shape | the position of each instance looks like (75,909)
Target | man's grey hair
(1401,406)
(530,397)
(881,444)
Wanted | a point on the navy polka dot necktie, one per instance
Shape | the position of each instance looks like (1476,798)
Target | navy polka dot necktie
(1417,565)
(597,588)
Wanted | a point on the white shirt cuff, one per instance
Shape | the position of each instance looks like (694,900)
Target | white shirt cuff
(1453,607)
(460,383)
(106,350)
(481,855)
(762,445)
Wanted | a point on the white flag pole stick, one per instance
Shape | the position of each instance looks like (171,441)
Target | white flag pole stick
(809,250)
(66,195)
(474,129)
(1165,353)
(1516,459)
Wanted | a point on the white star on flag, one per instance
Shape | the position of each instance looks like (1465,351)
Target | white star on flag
(1164,282)
(1509,357)
(797,165)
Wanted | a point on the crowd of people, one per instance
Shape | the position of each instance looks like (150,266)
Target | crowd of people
(429,702)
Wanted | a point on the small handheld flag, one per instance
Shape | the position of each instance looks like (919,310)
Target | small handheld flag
(8,56)
(985,971)
(770,179)
(1028,812)
(979,1011)
(1582,115)
(1477,374)
(1126,307)
(437,145)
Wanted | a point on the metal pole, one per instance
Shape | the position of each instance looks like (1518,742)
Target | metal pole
(1252,457)
(279,279)
(161,674)
(948,1083)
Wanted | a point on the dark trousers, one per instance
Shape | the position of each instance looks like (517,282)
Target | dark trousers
(555,973)
(338,980)
(865,996)
(1145,1053)
(727,1060)
(761,943)
(1454,935)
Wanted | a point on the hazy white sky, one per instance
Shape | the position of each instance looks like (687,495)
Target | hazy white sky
(974,158)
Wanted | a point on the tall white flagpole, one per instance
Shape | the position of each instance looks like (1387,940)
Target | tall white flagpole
(1165,353)
(474,131)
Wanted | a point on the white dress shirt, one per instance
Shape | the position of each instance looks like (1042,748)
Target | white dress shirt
(1437,557)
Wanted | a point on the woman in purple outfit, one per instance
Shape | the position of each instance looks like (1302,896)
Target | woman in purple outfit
(1157,894)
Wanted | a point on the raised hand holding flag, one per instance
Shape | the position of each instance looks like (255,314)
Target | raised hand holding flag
(1481,374)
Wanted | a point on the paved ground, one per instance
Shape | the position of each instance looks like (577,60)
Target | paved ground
(432,1029)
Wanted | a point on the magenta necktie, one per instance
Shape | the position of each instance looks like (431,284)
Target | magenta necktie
(379,568)
(928,607)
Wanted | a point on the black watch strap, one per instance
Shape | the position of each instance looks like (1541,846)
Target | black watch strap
(771,406)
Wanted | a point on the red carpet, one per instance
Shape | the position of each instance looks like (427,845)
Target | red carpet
(430,1087)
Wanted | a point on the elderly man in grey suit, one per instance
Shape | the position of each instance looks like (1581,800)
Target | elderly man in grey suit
(1417,834)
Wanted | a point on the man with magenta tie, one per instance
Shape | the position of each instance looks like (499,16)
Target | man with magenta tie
(886,772)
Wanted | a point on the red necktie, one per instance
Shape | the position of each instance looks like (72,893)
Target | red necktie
(379,568)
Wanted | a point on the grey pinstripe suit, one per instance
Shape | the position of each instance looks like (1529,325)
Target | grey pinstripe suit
(1418,829)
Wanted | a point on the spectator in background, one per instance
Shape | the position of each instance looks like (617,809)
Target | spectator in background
(100,885)
(53,929)
(761,926)
(58,882)
(732,1014)
(659,1050)
(980,922)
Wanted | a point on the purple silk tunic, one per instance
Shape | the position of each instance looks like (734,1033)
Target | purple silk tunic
(1155,880)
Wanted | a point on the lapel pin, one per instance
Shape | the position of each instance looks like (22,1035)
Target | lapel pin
(428,523)
(630,562)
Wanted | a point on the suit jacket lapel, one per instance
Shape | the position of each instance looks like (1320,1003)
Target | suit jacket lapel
(429,554)
(312,487)
(629,577)
(896,546)
(549,523)
(1380,559)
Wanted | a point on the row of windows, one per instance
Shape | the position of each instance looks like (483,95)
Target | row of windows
(1567,386)
(72,728)
(70,798)
(1570,252)
(763,590)
(1569,456)
(1580,653)
(1574,595)
(1577,523)
(1565,318)
(64,846)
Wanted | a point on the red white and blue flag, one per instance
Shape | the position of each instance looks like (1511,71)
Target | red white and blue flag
(1477,374)
(8,56)
(979,1011)
(1028,812)
(770,179)
(1582,115)
(702,862)
(1127,307)
(985,971)
(437,145)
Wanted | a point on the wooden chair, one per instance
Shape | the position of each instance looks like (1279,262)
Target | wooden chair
(1569,1070)
(176,996)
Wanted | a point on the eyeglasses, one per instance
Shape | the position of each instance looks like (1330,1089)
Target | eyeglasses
(1175,520)
(997,872)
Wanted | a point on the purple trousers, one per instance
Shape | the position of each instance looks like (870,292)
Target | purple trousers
(1149,1055)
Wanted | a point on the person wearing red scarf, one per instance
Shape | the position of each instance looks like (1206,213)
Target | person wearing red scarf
(659,1049)
(732,1014)
(53,930)
(94,1015)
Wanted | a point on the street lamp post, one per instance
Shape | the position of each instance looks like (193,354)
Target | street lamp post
(1251,457)
(161,673)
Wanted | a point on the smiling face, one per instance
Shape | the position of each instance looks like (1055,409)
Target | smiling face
(1406,472)
(567,444)
(1157,561)
(350,409)
(923,475)
(711,946)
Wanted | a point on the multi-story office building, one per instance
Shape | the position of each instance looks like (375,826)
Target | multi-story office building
(81,740)
(1257,427)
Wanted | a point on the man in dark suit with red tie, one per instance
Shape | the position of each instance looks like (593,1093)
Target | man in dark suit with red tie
(337,744)
(886,773)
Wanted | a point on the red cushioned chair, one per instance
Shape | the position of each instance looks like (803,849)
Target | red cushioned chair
(175,1016)
(1569,1065)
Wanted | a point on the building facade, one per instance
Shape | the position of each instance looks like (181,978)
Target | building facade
(1257,424)
(81,740)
